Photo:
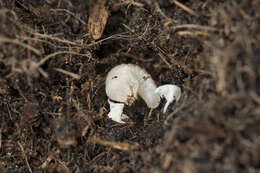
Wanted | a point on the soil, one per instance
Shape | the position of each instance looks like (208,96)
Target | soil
(53,104)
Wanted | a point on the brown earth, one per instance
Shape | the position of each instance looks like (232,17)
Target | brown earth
(53,104)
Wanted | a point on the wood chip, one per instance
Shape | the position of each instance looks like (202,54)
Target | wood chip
(98,20)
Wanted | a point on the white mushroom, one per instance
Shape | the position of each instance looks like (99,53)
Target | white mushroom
(122,84)
(170,93)
(146,86)
(125,82)
(116,111)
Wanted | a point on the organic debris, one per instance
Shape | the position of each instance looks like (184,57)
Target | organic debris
(98,19)
(53,67)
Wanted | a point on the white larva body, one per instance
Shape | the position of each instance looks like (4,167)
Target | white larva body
(125,82)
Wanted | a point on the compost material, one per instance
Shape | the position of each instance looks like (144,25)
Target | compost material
(54,58)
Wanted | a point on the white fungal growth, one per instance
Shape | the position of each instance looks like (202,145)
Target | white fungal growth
(125,82)
(170,93)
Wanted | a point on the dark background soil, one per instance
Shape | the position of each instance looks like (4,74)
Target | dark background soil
(54,122)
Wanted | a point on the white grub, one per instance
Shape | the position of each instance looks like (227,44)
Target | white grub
(170,93)
(125,82)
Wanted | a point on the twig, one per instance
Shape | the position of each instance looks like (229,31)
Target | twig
(192,33)
(37,65)
(76,76)
(9,112)
(55,39)
(204,72)
(164,60)
(185,8)
(115,36)
(69,12)
(15,41)
(163,56)
(47,161)
(254,96)
(194,26)
(96,158)
(116,145)
(64,166)
(36,39)
(25,157)
(43,73)
(158,9)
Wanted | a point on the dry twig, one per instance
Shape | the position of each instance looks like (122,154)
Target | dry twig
(116,145)
(194,26)
(63,164)
(193,33)
(122,36)
(75,76)
(55,39)
(185,8)
(47,161)
(158,9)
(24,38)
(37,65)
(25,157)
(17,42)
(69,12)
(164,60)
